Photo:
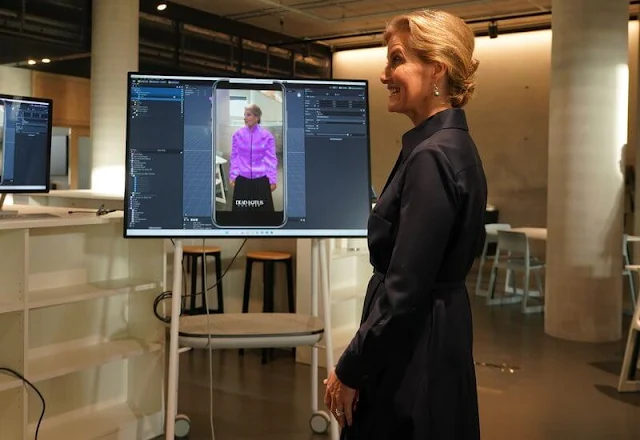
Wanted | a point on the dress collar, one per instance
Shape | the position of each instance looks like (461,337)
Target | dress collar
(449,118)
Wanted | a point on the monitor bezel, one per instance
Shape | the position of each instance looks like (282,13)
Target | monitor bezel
(239,233)
(47,188)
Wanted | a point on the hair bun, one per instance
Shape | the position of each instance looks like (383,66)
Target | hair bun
(474,66)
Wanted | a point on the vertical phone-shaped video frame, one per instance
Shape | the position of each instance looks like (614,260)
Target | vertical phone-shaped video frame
(249,124)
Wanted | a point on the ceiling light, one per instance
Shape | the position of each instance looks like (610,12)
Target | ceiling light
(161,7)
(31,62)
(46,60)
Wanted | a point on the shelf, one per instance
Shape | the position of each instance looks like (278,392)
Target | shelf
(10,306)
(83,292)
(76,318)
(92,423)
(8,381)
(69,361)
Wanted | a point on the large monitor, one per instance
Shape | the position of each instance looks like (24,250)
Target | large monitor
(25,147)
(25,144)
(223,157)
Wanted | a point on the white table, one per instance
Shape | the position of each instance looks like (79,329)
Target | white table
(532,233)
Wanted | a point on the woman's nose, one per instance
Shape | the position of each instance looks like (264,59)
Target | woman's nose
(383,76)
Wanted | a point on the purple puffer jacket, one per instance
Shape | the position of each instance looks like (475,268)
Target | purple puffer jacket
(253,154)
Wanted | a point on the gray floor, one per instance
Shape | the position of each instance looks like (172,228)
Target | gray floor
(559,391)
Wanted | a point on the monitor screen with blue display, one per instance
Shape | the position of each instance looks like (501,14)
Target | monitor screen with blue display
(25,144)
(238,157)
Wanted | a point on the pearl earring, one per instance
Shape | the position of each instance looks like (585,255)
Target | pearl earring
(436,90)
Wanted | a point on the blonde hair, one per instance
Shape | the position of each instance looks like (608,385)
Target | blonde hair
(255,111)
(437,36)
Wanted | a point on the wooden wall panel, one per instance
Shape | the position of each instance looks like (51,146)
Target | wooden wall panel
(71,98)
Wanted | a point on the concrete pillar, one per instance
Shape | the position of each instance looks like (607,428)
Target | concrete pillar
(114,52)
(587,132)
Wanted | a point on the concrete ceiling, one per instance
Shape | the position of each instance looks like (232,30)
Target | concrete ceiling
(326,20)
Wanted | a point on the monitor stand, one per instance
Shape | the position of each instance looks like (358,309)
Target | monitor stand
(5,213)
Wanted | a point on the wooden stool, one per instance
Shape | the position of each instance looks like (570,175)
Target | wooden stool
(268,260)
(192,254)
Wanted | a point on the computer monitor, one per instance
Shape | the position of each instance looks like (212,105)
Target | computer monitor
(238,157)
(25,145)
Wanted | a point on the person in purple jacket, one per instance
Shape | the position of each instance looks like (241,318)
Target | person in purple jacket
(253,165)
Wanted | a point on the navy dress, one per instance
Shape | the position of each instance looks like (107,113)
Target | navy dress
(412,357)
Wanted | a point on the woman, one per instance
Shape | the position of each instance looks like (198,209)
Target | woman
(253,165)
(408,373)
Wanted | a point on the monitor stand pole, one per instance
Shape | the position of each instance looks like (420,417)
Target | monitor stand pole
(4,213)
(320,290)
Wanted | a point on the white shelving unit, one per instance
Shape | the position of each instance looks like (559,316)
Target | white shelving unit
(76,320)
(349,274)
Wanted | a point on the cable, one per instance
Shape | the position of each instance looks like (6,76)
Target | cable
(21,377)
(168,293)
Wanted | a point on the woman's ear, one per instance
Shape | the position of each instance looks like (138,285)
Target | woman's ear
(439,72)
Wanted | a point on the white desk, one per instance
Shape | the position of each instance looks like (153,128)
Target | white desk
(71,198)
(532,233)
(536,233)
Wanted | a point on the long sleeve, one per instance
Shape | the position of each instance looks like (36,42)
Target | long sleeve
(270,159)
(234,166)
(429,200)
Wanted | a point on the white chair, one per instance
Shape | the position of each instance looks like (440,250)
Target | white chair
(628,380)
(626,272)
(220,183)
(518,259)
(491,230)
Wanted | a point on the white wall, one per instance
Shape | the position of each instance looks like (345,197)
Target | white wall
(508,118)
(14,81)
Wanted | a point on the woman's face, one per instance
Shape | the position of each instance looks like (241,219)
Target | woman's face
(408,79)
(250,119)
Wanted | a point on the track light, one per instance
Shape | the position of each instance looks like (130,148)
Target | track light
(46,60)
(31,62)
(493,29)
(161,7)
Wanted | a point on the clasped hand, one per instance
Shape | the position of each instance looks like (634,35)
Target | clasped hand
(340,399)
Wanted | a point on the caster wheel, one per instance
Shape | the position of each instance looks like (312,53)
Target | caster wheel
(183,426)
(319,422)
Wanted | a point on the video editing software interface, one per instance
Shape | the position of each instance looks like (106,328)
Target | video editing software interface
(25,144)
(238,157)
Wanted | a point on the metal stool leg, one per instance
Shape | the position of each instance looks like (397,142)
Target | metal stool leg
(246,296)
(219,283)
(268,278)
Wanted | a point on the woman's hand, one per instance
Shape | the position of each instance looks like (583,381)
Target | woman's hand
(340,399)
(273,187)
(233,183)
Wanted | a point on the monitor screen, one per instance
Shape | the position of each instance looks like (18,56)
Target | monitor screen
(25,144)
(246,157)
